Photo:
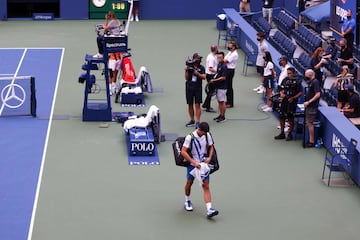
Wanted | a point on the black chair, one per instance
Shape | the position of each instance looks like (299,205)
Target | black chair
(231,33)
(340,161)
(249,61)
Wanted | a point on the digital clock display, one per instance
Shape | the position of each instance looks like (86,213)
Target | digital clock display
(118,6)
(98,8)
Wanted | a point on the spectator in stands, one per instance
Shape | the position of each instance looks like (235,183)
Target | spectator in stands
(346,56)
(231,60)
(210,70)
(348,28)
(342,80)
(317,63)
(301,5)
(221,85)
(290,91)
(193,76)
(268,80)
(352,110)
(244,6)
(312,98)
(331,50)
(267,10)
(112,27)
(283,62)
(262,48)
(135,11)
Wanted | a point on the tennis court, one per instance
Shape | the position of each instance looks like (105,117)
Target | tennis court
(265,189)
(24,138)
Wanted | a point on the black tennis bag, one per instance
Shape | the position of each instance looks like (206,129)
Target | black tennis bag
(181,161)
(179,158)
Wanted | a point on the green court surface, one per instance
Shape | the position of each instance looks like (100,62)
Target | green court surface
(265,189)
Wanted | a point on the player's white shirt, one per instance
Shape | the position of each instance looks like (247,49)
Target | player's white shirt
(202,148)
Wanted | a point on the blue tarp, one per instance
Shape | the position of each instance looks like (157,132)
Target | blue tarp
(319,13)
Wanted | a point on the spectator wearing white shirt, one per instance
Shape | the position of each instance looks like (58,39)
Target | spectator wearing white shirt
(262,48)
(284,67)
(210,71)
(231,60)
(268,80)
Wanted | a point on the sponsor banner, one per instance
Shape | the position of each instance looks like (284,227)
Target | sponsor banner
(43,16)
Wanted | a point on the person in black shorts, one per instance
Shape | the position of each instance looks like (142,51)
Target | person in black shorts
(311,104)
(194,74)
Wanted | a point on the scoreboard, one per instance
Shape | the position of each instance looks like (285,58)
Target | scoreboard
(98,8)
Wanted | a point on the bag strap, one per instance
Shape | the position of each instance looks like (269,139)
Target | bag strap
(197,146)
(207,141)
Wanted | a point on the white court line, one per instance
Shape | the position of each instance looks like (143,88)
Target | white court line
(7,74)
(30,48)
(13,80)
(31,227)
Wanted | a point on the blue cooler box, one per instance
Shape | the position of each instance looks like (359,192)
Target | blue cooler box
(141,142)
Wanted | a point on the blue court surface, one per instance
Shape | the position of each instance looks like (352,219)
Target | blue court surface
(23,139)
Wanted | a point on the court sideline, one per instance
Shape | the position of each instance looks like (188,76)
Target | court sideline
(265,189)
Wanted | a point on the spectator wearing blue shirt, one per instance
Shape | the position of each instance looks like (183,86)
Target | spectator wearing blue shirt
(348,28)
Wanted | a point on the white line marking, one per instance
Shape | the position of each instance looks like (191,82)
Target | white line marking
(31,227)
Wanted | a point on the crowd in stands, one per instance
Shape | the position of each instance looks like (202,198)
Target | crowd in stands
(317,58)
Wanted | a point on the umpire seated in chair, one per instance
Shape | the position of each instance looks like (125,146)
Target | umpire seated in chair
(289,92)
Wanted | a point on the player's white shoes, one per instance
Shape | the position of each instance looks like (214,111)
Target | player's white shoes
(211,213)
(188,206)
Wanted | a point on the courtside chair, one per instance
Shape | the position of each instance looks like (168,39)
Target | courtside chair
(249,61)
(230,34)
(340,161)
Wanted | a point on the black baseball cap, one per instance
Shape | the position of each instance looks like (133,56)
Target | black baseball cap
(204,126)
(197,56)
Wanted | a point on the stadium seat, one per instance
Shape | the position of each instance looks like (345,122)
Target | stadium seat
(284,22)
(262,25)
(340,161)
(283,44)
(302,62)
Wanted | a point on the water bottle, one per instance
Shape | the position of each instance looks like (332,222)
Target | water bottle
(318,143)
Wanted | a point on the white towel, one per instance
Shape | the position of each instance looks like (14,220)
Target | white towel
(201,173)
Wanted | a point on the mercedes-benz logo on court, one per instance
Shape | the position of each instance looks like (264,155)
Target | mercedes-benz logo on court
(13,95)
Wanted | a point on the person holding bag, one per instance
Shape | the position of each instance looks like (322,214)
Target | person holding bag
(202,149)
